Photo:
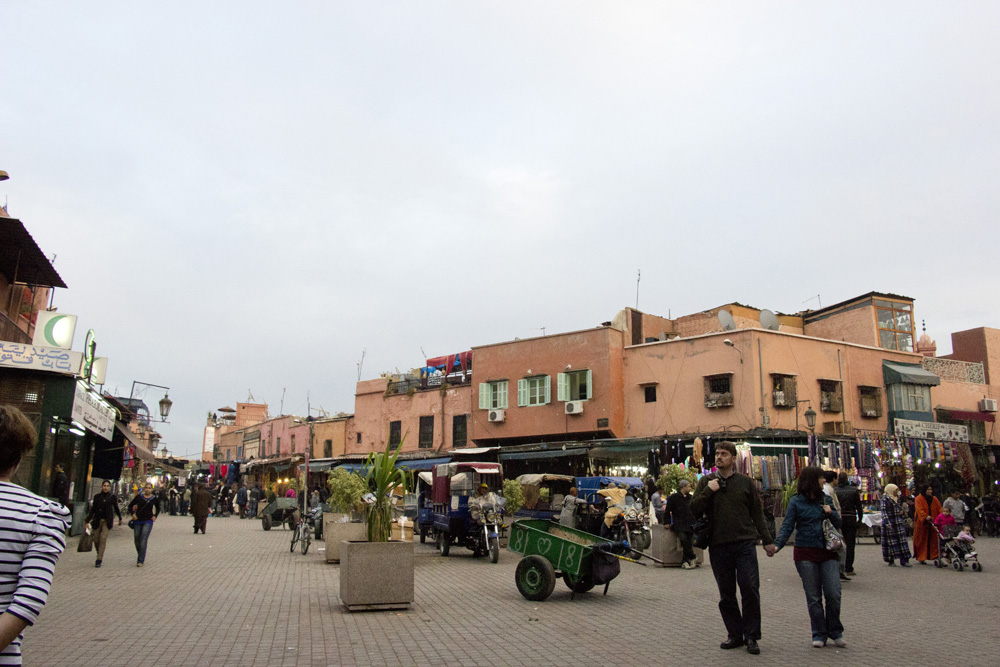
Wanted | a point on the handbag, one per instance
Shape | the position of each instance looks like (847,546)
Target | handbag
(131,523)
(702,526)
(833,540)
(86,541)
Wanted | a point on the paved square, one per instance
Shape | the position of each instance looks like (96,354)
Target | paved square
(236,596)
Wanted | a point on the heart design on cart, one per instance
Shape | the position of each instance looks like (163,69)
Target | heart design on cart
(544,544)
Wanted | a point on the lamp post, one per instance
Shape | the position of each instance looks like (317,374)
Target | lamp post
(165,402)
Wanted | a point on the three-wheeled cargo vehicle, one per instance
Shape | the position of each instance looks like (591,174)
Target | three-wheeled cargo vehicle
(449,519)
(543,495)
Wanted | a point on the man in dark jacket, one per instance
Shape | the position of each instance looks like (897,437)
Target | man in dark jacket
(678,515)
(851,512)
(732,501)
(102,517)
(60,485)
(201,504)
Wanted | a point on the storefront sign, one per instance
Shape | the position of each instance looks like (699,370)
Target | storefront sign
(208,449)
(908,428)
(54,329)
(32,357)
(93,412)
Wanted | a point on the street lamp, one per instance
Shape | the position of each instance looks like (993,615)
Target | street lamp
(733,345)
(810,416)
(165,402)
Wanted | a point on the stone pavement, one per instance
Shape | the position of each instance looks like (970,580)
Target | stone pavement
(236,596)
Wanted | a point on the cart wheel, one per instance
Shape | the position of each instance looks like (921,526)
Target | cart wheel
(304,542)
(494,549)
(443,543)
(957,564)
(289,524)
(938,563)
(535,578)
(423,534)
(581,585)
(979,567)
(266,522)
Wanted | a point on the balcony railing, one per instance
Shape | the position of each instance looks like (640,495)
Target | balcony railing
(954,370)
(415,385)
(10,331)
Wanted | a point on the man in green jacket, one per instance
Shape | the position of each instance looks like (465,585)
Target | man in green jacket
(731,500)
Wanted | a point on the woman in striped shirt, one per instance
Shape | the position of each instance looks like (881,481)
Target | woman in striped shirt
(33,532)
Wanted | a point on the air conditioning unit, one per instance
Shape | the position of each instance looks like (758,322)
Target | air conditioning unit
(988,405)
(574,407)
(497,415)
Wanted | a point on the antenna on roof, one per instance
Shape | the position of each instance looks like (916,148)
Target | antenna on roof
(769,320)
(726,320)
(361,363)
(638,277)
(820,301)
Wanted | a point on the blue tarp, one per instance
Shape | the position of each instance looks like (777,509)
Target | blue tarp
(591,484)
(422,464)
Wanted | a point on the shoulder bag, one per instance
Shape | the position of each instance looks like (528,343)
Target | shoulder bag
(833,540)
(702,527)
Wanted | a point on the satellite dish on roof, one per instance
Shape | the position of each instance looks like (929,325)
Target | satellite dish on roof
(769,320)
(726,320)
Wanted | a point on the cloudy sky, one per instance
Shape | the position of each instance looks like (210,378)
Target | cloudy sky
(245,196)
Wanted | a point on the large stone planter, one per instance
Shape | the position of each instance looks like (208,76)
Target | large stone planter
(667,547)
(376,575)
(335,532)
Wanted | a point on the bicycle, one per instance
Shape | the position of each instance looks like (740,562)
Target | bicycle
(301,535)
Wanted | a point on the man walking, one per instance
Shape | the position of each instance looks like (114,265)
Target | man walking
(731,500)
(241,500)
(678,515)
(851,512)
(201,504)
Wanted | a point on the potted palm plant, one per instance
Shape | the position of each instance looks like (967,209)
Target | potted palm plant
(345,521)
(378,573)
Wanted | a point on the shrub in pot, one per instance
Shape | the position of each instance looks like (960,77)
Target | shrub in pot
(344,523)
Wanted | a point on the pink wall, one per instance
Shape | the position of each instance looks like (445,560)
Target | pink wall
(853,326)
(599,350)
(978,345)
(373,412)
(680,366)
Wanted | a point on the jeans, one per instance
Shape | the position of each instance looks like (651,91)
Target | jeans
(822,580)
(732,564)
(685,538)
(142,531)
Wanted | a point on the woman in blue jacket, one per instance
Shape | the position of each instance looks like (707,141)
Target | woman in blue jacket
(818,567)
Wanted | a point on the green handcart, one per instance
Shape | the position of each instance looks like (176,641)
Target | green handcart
(551,549)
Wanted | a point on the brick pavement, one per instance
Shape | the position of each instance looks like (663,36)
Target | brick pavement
(236,596)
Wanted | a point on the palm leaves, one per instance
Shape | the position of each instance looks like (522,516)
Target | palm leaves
(382,478)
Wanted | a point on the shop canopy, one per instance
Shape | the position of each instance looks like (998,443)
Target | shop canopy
(543,454)
(967,415)
(899,373)
(422,464)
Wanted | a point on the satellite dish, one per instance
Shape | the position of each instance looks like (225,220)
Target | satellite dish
(726,320)
(769,320)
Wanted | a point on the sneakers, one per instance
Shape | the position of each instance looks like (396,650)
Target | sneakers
(844,577)
(818,644)
(686,565)
(840,643)
(138,564)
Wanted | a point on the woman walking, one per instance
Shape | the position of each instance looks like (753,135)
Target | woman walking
(894,544)
(818,567)
(33,532)
(102,518)
(925,510)
(144,509)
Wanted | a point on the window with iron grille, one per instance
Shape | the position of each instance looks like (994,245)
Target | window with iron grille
(783,390)
(831,396)
(426,440)
(459,430)
(395,433)
(871,402)
(719,390)
(650,392)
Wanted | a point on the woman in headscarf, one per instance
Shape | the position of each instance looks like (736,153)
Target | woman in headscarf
(894,544)
(925,510)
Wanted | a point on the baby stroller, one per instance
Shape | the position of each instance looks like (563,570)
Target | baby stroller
(954,552)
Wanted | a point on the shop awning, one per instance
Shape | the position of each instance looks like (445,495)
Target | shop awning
(21,260)
(475,451)
(966,415)
(422,464)
(141,452)
(899,373)
(319,465)
(543,454)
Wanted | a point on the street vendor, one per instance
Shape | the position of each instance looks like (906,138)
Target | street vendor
(481,499)
(615,496)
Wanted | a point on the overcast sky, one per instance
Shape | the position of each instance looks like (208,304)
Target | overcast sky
(244,196)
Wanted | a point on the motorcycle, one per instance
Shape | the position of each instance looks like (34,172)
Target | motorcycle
(490,525)
(635,527)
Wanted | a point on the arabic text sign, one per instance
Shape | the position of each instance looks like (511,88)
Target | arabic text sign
(93,412)
(18,355)
(909,428)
